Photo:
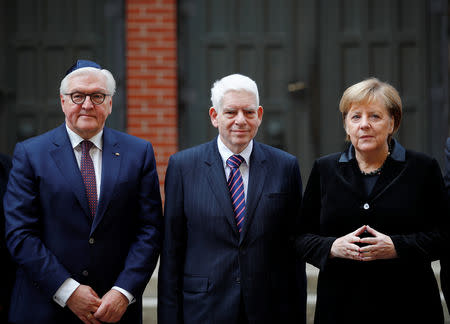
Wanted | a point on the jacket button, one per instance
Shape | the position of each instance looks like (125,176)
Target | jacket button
(366,206)
(91,241)
(85,273)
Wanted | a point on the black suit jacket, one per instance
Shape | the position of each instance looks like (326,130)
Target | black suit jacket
(207,267)
(447,167)
(8,267)
(445,266)
(407,204)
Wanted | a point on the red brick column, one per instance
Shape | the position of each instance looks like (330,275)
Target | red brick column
(152,76)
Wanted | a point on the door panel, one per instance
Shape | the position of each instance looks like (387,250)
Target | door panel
(383,39)
(42,39)
(303,54)
(259,39)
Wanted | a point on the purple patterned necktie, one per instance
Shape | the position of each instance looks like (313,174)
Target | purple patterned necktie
(236,187)
(88,174)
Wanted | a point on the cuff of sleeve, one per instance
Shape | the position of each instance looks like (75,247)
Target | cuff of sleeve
(400,245)
(129,296)
(65,291)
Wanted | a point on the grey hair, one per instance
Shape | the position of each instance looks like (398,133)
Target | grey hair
(110,82)
(236,82)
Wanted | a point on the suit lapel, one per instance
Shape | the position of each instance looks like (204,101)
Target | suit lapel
(218,184)
(347,172)
(62,154)
(257,177)
(391,171)
(111,159)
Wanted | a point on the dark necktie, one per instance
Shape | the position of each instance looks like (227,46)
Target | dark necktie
(236,187)
(88,174)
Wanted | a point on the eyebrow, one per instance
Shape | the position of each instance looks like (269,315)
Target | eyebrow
(245,108)
(104,91)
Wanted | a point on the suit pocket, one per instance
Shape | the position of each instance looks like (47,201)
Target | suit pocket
(195,284)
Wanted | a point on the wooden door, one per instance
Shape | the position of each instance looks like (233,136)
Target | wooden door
(256,38)
(395,41)
(41,39)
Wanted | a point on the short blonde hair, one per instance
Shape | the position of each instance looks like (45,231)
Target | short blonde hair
(371,90)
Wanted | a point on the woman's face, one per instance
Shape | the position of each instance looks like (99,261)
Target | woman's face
(368,126)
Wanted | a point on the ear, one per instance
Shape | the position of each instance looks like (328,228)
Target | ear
(213,116)
(260,113)
(63,100)
(391,126)
(110,106)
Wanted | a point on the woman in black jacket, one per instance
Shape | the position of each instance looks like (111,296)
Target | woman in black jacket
(374,217)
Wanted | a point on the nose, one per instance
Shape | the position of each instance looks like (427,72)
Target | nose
(365,122)
(87,104)
(240,117)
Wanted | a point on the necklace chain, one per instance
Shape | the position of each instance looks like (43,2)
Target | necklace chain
(376,171)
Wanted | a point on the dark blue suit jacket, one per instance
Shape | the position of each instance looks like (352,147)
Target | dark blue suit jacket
(207,267)
(8,268)
(51,236)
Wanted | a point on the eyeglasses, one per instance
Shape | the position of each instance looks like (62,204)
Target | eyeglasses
(97,98)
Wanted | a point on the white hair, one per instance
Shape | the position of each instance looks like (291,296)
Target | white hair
(236,82)
(110,82)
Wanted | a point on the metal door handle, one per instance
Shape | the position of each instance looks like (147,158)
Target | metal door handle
(296,86)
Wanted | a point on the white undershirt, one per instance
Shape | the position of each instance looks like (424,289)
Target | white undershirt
(95,152)
(225,153)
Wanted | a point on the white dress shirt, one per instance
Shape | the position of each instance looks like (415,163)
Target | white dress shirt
(70,285)
(225,153)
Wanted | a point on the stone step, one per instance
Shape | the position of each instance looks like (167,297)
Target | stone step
(150,295)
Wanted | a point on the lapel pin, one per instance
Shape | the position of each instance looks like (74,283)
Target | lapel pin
(116,154)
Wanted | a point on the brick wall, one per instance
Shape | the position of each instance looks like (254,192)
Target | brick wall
(152,76)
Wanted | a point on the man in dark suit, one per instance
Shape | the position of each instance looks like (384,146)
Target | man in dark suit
(83,213)
(231,208)
(445,267)
(8,267)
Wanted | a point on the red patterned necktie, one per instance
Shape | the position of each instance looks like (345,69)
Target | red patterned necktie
(88,174)
(236,187)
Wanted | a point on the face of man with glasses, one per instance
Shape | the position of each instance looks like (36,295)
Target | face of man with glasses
(86,104)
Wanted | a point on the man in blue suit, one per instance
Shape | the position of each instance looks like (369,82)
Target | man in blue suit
(8,267)
(83,213)
(231,209)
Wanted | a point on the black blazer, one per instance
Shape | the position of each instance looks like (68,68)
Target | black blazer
(207,267)
(8,267)
(445,266)
(447,167)
(408,204)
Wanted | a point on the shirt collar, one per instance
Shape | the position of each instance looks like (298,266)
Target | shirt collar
(76,139)
(398,153)
(225,152)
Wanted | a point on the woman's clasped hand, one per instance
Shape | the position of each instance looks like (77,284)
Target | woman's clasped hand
(364,244)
